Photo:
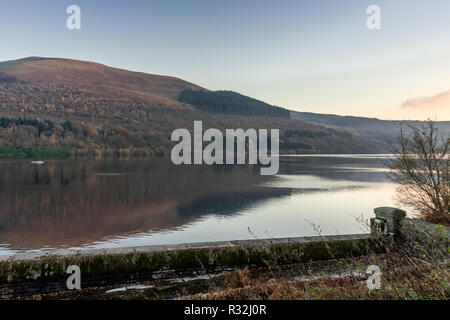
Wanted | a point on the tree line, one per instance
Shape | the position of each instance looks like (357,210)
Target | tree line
(229,102)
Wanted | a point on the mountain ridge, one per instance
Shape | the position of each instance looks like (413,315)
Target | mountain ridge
(96,110)
(92,73)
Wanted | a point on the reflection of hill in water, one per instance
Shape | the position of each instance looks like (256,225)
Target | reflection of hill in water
(232,203)
(76,202)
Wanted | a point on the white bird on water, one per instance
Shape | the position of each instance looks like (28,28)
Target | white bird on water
(37,162)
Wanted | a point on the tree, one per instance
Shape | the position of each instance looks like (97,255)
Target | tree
(421,169)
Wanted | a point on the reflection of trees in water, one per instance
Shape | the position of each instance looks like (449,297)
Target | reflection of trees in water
(76,202)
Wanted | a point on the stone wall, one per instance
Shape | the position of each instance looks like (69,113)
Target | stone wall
(419,238)
(29,274)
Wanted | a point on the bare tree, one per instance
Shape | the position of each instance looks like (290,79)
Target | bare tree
(421,169)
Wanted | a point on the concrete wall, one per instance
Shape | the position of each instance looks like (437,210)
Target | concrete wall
(27,274)
(419,238)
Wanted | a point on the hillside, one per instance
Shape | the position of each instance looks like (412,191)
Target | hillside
(54,107)
(384,132)
(229,102)
(381,132)
(86,74)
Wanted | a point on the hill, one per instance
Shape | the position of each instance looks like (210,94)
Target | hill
(55,107)
(229,102)
(82,73)
(380,132)
(384,132)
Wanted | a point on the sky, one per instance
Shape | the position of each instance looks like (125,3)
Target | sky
(310,55)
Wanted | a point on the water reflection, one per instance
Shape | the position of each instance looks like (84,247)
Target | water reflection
(115,203)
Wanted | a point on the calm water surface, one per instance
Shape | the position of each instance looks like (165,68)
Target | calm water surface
(98,204)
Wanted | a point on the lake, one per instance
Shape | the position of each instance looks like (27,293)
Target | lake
(82,204)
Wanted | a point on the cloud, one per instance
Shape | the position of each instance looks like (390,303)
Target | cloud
(440,100)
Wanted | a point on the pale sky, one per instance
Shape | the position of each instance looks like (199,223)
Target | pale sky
(315,55)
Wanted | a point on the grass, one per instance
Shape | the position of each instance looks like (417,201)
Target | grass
(411,270)
(402,278)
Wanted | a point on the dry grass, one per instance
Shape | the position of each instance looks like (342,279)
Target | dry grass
(416,270)
(403,278)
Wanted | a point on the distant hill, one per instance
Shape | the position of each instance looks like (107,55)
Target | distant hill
(383,131)
(52,107)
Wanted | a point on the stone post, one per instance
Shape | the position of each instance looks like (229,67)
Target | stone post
(387,221)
